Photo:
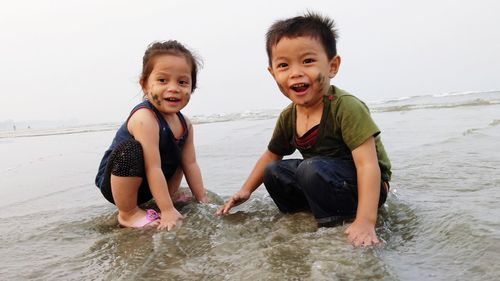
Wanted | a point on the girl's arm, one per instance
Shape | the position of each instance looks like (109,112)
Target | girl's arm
(143,125)
(190,167)
(362,230)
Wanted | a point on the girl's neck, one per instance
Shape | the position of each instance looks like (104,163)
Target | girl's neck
(170,117)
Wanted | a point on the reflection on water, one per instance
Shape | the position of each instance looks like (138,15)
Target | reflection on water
(255,242)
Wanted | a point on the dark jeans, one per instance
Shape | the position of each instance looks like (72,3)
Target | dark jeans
(326,186)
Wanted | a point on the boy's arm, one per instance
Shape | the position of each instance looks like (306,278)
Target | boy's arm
(144,127)
(362,230)
(253,181)
(191,169)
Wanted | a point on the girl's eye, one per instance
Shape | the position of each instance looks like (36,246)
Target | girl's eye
(184,82)
(161,80)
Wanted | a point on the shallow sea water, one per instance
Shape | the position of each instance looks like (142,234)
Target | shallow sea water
(439,223)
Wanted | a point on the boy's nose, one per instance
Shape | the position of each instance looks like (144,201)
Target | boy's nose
(296,72)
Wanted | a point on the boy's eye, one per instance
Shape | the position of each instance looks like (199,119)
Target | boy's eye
(281,65)
(308,61)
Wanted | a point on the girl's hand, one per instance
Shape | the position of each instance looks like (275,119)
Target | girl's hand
(170,219)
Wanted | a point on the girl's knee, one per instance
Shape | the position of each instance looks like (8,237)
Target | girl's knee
(127,159)
(130,147)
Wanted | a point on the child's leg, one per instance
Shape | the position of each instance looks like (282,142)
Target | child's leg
(330,186)
(175,182)
(281,183)
(178,196)
(123,184)
(125,190)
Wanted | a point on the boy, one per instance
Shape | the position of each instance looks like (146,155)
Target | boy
(345,170)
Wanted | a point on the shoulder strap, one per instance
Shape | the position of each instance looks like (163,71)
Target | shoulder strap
(146,104)
(184,136)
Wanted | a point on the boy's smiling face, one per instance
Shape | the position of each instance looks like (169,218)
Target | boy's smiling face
(302,70)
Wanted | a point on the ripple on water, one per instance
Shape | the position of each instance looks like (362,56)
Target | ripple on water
(255,242)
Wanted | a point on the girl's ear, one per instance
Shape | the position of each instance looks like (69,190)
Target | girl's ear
(143,86)
(334,66)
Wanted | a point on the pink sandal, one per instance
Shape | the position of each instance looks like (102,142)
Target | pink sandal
(151,216)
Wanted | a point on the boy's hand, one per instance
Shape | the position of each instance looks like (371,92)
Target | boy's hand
(238,198)
(170,219)
(362,234)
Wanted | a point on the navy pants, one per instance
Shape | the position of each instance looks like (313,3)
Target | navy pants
(326,186)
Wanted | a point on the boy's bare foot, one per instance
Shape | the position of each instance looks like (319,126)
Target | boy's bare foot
(138,218)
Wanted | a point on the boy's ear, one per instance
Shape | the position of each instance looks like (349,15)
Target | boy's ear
(334,66)
(270,69)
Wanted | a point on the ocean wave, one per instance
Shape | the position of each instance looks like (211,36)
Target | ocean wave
(225,117)
(437,101)
(495,122)
(59,131)
(196,119)
(476,130)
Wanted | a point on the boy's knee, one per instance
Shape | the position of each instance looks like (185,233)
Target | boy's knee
(318,172)
(271,171)
(308,170)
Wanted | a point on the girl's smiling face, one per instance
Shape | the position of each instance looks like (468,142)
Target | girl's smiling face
(302,70)
(169,85)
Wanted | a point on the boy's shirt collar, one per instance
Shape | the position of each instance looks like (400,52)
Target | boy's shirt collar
(330,95)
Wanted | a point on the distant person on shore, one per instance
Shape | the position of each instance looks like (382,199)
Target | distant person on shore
(154,147)
(345,170)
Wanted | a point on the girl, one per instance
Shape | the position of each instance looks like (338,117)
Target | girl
(154,147)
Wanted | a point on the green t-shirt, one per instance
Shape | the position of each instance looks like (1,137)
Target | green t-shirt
(345,124)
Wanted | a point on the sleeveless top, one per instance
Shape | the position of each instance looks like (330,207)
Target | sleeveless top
(170,147)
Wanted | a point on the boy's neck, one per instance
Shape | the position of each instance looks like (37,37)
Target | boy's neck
(311,109)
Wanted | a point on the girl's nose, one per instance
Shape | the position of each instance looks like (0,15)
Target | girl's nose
(173,88)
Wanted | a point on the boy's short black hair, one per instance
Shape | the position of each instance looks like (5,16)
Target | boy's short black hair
(310,24)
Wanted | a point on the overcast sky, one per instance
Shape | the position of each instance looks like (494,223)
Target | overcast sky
(82,59)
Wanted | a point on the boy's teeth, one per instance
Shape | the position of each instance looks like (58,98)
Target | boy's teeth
(300,87)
